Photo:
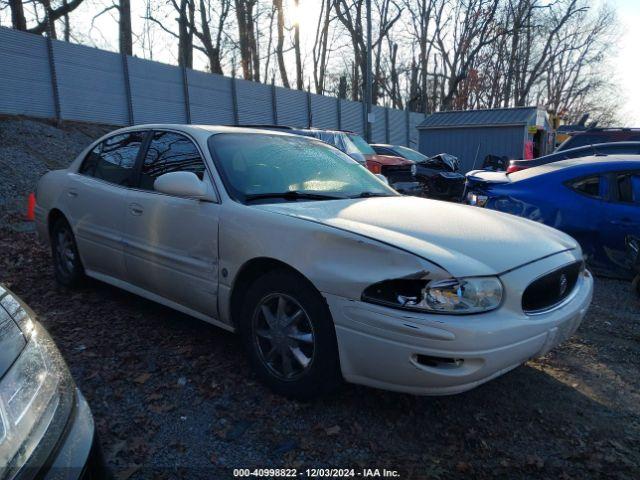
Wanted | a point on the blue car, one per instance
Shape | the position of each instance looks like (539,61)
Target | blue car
(596,200)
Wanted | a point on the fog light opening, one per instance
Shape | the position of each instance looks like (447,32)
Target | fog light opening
(439,362)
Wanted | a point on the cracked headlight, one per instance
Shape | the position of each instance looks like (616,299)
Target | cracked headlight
(450,296)
(28,400)
(35,393)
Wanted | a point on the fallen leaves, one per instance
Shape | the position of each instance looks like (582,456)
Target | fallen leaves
(142,378)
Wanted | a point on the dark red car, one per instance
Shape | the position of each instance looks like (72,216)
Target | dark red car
(399,171)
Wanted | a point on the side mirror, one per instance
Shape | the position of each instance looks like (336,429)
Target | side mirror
(382,177)
(181,184)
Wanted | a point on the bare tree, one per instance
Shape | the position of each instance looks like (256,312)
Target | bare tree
(277,4)
(212,39)
(320,49)
(249,55)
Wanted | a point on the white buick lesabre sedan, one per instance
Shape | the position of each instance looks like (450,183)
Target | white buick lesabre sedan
(325,272)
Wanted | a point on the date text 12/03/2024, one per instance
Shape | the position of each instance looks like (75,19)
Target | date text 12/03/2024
(316,473)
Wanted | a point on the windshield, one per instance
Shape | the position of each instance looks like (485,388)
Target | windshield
(410,154)
(253,165)
(361,145)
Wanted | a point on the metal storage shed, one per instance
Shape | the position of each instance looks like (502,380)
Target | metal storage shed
(471,135)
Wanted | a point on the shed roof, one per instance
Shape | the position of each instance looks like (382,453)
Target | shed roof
(495,116)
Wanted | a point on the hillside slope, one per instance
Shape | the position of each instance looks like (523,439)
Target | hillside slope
(29,148)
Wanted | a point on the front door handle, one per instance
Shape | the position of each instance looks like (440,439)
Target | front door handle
(72,193)
(135,209)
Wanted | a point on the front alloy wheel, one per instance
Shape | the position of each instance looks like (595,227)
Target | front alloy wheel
(288,332)
(283,336)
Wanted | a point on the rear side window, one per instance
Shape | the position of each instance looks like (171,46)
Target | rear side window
(113,159)
(628,187)
(170,152)
(587,186)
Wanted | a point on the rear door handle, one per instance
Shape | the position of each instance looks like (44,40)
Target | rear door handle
(135,209)
(72,193)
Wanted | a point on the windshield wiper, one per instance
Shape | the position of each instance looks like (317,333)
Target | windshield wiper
(292,195)
(371,194)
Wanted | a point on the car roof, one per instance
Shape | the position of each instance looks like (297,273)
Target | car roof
(198,131)
(595,163)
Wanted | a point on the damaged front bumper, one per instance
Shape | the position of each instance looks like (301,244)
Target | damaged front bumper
(430,354)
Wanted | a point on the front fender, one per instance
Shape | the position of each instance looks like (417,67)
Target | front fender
(336,261)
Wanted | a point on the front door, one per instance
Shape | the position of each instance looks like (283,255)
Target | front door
(171,243)
(95,200)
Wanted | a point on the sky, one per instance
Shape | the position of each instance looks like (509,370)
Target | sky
(627,62)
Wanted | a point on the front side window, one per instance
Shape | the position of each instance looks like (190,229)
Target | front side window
(258,164)
(587,186)
(628,187)
(170,152)
(113,159)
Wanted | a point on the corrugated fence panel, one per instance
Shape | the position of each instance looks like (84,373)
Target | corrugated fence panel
(91,84)
(25,87)
(379,127)
(324,111)
(352,116)
(292,107)
(255,105)
(210,98)
(415,119)
(157,92)
(397,127)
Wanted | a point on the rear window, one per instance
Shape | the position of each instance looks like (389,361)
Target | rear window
(361,144)
(113,159)
(589,186)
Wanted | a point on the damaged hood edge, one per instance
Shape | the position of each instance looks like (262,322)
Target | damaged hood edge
(463,240)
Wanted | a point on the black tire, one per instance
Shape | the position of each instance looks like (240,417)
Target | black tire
(635,285)
(322,373)
(67,266)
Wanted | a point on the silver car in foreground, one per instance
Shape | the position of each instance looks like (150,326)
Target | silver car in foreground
(324,271)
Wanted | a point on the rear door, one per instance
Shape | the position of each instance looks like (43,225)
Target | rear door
(621,219)
(171,243)
(96,198)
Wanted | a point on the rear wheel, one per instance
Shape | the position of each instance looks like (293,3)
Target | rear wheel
(67,266)
(289,335)
(636,285)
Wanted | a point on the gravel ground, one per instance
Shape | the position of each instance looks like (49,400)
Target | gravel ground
(29,148)
(174,397)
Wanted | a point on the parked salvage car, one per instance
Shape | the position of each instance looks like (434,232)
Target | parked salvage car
(439,175)
(323,270)
(600,149)
(46,426)
(596,200)
(594,136)
(398,170)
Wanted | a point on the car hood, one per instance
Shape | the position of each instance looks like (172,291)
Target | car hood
(464,240)
(388,159)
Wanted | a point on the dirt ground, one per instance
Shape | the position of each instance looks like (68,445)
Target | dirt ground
(174,397)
